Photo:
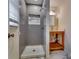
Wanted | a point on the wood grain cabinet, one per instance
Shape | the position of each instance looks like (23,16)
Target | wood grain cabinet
(56,40)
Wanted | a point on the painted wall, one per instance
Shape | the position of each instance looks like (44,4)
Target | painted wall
(65,24)
(66,18)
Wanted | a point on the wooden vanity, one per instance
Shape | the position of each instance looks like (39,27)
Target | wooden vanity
(56,40)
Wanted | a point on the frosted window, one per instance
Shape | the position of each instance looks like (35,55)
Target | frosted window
(13,11)
(33,21)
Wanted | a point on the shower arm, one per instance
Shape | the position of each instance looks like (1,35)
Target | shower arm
(43,5)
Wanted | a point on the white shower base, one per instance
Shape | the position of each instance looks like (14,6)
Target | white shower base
(33,52)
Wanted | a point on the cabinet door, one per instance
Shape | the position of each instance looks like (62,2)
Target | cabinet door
(13,43)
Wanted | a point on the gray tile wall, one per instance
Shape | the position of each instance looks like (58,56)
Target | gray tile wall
(23,27)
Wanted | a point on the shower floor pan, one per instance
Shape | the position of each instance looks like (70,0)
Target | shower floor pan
(34,51)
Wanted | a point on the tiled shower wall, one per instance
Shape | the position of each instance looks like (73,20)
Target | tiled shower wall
(23,27)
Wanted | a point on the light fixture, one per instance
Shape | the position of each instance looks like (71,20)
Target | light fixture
(52,13)
(36,0)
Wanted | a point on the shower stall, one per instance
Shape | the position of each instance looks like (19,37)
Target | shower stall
(34,16)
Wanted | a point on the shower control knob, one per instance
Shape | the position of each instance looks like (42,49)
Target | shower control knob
(33,50)
(42,28)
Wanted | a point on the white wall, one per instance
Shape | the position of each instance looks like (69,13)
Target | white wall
(65,23)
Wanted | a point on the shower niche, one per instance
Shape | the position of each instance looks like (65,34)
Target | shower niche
(32,20)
